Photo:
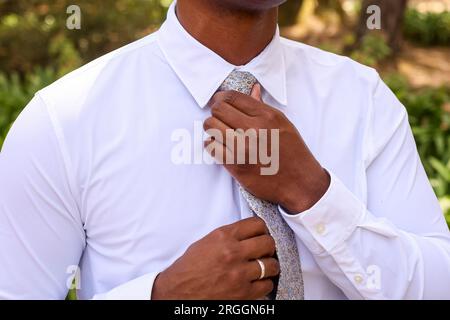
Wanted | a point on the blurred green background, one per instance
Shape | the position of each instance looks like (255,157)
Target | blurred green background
(411,52)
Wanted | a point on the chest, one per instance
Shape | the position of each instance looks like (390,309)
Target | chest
(149,179)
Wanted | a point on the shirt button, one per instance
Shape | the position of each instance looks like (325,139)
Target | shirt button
(320,228)
(358,278)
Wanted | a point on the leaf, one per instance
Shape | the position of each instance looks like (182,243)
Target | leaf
(441,168)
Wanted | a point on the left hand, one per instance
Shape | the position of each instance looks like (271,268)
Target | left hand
(300,181)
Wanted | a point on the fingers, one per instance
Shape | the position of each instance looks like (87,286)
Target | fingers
(213,123)
(249,228)
(257,247)
(219,152)
(229,115)
(242,102)
(271,266)
(261,288)
(256,92)
(221,132)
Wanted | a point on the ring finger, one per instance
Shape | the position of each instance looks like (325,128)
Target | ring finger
(271,266)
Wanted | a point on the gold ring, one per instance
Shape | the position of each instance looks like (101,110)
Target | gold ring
(263,269)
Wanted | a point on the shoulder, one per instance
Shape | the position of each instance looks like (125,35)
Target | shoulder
(344,79)
(323,63)
(346,85)
(69,92)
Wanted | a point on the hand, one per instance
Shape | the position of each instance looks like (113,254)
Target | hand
(222,266)
(300,180)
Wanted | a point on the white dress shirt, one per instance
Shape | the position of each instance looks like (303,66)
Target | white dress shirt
(87,176)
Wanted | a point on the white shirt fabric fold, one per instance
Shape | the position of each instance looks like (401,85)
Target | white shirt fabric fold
(88,177)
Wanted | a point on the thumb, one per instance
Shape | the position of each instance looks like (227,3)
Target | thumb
(256,92)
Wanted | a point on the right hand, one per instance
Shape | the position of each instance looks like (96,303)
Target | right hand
(222,266)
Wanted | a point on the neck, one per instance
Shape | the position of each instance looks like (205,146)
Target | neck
(236,35)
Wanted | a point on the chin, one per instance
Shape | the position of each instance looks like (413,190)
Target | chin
(254,4)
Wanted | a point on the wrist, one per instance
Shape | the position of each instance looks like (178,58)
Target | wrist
(301,197)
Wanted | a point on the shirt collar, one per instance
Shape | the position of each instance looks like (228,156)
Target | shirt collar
(202,71)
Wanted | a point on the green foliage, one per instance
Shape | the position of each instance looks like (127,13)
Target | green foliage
(15,93)
(34,33)
(429,115)
(72,295)
(427,28)
(445,204)
(373,49)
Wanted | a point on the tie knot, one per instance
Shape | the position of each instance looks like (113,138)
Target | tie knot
(241,81)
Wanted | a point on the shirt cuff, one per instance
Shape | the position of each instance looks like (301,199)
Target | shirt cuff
(330,221)
(137,289)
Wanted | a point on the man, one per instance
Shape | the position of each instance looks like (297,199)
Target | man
(87,175)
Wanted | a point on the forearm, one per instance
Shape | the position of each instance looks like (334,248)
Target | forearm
(369,257)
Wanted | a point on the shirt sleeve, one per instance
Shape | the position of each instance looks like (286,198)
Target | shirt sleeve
(395,244)
(41,232)
(137,289)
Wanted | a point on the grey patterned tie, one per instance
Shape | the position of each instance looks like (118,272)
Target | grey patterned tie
(290,283)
